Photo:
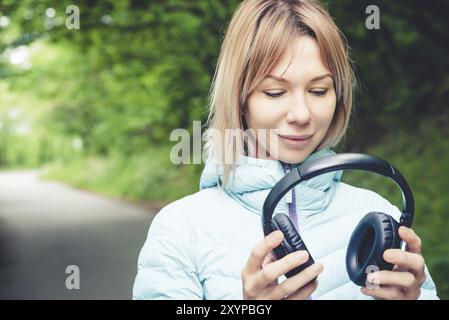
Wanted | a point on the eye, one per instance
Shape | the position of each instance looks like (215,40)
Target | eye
(319,93)
(274,94)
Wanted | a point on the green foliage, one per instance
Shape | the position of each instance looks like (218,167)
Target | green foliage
(100,102)
(422,157)
(148,176)
(399,67)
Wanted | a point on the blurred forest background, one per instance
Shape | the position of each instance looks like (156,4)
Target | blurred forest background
(95,107)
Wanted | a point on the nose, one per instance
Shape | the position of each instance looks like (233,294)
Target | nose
(298,111)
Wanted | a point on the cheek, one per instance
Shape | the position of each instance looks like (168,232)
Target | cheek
(262,113)
(322,115)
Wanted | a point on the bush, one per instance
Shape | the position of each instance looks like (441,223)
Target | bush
(422,157)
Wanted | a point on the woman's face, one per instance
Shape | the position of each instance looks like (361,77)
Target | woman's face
(302,105)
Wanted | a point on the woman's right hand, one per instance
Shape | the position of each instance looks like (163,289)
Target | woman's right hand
(261,272)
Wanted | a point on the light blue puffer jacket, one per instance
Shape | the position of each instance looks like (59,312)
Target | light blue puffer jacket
(198,245)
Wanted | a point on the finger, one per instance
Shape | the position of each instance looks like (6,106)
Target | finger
(405,260)
(304,292)
(269,258)
(384,293)
(278,268)
(298,281)
(413,294)
(393,278)
(260,251)
(412,240)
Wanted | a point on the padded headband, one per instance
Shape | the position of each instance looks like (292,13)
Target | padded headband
(343,161)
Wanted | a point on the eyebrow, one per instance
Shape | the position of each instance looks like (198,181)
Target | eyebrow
(318,78)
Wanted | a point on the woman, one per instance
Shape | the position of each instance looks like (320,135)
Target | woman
(284,71)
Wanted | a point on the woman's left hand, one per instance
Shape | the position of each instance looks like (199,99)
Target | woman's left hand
(405,280)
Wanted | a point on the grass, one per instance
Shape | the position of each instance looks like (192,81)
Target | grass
(149,176)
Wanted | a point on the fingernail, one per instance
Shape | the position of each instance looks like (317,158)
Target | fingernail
(319,266)
(277,236)
(405,230)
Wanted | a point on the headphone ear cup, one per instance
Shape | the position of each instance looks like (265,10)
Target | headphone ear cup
(374,234)
(292,241)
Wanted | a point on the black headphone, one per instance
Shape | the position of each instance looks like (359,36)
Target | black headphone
(374,234)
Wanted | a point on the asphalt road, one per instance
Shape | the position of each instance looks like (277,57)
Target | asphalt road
(46,227)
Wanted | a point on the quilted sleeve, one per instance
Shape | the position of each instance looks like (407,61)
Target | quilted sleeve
(165,264)
(428,289)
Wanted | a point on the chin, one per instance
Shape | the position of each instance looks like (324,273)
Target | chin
(291,153)
(293,156)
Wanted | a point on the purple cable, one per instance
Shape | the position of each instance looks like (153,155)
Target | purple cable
(292,205)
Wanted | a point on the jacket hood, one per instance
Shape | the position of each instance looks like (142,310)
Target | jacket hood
(254,178)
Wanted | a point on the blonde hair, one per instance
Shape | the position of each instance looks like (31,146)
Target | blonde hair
(257,36)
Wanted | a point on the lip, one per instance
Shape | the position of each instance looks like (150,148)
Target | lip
(303,137)
(295,141)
